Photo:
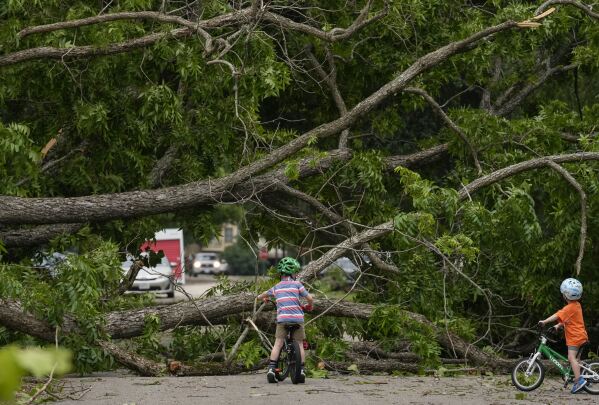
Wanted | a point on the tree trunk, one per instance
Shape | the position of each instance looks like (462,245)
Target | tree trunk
(125,324)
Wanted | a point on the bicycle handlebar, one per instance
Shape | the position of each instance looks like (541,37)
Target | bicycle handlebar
(544,331)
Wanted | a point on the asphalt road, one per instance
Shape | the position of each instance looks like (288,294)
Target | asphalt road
(195,287)
(341,390)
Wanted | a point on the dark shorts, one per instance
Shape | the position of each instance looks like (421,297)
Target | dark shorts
(299,334)
(577,347)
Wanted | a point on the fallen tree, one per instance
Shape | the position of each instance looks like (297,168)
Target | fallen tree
(215,310)
(180,110)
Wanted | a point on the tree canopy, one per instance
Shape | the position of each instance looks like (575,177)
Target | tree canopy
(449,148)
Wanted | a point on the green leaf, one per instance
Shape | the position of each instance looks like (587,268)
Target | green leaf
(40,362)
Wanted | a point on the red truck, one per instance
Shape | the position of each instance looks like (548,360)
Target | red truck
(170,241)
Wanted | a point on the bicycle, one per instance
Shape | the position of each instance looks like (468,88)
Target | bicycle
(290,359)
(289,363)
(528,374)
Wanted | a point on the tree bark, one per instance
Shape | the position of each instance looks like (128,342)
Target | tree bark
(126,324)
(138,203)
(520,167)
(37,235)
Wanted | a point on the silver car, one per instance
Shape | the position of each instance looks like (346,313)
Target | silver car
(152,279)
(207,263)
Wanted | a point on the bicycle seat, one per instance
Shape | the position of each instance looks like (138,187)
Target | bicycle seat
(291,326)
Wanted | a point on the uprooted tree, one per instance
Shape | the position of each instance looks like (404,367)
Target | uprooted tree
(448,148)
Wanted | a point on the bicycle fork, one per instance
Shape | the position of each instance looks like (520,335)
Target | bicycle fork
(531,363)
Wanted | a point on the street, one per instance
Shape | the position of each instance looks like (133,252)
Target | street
(124,388)
(196,287)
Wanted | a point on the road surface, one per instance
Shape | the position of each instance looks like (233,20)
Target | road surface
(252,389)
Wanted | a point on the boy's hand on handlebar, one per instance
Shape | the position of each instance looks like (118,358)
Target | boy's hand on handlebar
(307,307)
(540,324)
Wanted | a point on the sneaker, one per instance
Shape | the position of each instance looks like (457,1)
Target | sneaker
(271,376)
(580,384)
(302,376)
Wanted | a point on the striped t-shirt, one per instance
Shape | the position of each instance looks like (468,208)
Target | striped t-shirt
(287,294)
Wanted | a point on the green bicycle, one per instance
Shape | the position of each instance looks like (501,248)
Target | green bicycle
(528,374)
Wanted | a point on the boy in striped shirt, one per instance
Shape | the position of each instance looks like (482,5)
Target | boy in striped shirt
(287,294)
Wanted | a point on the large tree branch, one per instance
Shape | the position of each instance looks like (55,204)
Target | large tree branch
(335,34)
(102,207)
(439,111)
(588,10)
(509,106)
(47,52)
(191,27)
(34,236)
(314,267)
(331,80)
(125,324)
(338,219)
(517,168)
(37,235)
(132,15)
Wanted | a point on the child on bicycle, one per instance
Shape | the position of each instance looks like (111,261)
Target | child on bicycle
(570,318)
(287,294)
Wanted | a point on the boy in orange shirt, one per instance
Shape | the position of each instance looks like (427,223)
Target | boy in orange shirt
(570,318)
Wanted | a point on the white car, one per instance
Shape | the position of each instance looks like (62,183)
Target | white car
(155,279)
(207,263)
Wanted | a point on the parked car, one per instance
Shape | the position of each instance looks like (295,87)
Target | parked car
(157,279)
(343,263)
(207,263)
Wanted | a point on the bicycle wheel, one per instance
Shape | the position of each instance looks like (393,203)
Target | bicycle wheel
(592,386)
(283,364)
(295,363)
(530,381)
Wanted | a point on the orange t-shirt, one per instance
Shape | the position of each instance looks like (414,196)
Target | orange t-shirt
(571,317)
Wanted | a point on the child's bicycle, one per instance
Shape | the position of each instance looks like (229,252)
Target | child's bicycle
(528,374)
(290,360)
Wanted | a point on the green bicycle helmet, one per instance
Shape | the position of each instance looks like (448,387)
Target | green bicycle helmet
(288,266)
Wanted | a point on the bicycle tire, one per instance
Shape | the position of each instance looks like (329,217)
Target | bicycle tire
(283,364)
(295,363)
(592,386)
(526,383)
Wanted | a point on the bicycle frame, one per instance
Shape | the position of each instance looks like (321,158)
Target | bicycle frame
(553,356)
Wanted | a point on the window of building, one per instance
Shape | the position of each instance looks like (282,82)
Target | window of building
(228,234)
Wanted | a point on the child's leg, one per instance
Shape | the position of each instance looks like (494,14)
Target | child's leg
(276,350)
(302,352)
(572,351)
(299,336)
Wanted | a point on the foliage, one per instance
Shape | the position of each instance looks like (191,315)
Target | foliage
(116,118)
(189,342)
(36,361)
(251,352)
(240,258)
(389,323)
(148,344)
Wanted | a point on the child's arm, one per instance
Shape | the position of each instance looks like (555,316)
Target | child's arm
(552,318)
(262,296)
(265,295)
